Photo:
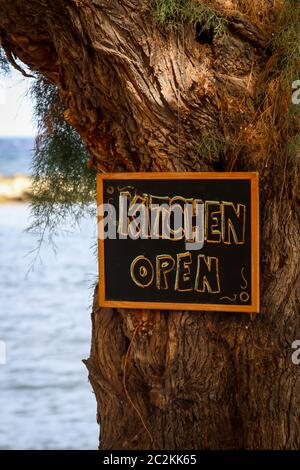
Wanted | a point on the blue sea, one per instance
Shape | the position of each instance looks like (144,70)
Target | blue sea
(46,401)
(16,155)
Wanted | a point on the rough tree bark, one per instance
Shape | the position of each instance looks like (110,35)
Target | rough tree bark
(141,98)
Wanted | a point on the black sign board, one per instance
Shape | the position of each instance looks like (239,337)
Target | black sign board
(187,241)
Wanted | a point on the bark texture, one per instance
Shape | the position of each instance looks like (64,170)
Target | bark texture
(141,98)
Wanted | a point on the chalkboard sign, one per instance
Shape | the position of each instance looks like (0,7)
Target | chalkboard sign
(186,241)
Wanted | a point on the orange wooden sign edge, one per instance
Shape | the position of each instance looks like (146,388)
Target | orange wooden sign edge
(255,241)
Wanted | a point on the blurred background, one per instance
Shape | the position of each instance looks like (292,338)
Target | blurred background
(46,401)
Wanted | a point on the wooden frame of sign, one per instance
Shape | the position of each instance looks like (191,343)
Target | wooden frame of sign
(222,275)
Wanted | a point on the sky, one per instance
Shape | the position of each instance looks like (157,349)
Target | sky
(16,117)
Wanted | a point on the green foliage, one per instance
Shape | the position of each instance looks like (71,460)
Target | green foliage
(63,185)
(285,44)
(210,146)
(170,13)
(285,66)
(213,148)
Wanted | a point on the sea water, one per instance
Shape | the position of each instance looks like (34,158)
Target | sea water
(46,401)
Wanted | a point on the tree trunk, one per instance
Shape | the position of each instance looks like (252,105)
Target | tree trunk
(149,99)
